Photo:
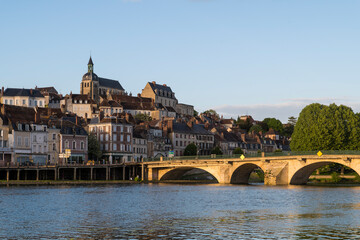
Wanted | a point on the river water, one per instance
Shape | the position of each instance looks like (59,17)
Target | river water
(173,211)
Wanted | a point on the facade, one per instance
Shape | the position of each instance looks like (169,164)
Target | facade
(74,139)
(5,150)
(182,134)
(140,144)
(95,86)
(53,144)
(184,109)
(81,105)
(22,97)
(115,137)
(39,145)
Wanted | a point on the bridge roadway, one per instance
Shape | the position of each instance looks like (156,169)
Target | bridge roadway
(281,170)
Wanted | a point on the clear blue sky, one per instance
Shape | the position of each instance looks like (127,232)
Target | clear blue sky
(263,58)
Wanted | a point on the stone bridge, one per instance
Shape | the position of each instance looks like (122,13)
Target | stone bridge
(282,170)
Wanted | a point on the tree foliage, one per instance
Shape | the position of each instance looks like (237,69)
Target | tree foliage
(211,112)
(256,128)
(143,117)
(322,127)
(190,150)
(238,151)
(274,124)
(94,148)
(196,113)
(246,125)
(217,151)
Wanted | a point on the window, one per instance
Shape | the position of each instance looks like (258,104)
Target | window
(40,103)
(34,138)
(11,102)
(35,102)
(106,147)
(19,141)
(73,145)
(121,138)
(107,137)
(6,101)
(129,129)
(26,142)
(17,102)
(34,128)
(101,137)
(114,147)
(82,145)
(54,136)
(66,144)
(128,138)
(114,137)
(54,147)
(121,128)
(114,128)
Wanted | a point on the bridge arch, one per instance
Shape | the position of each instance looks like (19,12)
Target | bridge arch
(242,173)
(301,176)
(178,173)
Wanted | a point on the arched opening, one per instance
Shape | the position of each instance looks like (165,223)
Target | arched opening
(247,173)
(325,172)
(189,174)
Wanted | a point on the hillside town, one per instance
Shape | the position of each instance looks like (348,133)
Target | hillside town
(106,123)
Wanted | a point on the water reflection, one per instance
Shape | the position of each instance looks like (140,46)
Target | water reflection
(179,212)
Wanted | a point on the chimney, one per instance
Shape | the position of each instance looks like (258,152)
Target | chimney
(153,82)
(3,109)
(31,92)
(63,108)
(37,115)
(164,85)
(2,91)
(86,116)
(76,120)
(139,95)
(190,124)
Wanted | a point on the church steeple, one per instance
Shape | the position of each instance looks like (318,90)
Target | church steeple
(90,66)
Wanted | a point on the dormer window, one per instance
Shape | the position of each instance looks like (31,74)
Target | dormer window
(85,101)
(74,101)
(20,126)
(80,101)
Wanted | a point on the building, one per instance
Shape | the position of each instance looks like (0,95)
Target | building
(140,145)
(95,86)
(115,136)
(184,109)
(81,105)
(22,97)
(161,94)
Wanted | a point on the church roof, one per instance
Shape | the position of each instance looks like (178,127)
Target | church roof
(90,61)
(108,83)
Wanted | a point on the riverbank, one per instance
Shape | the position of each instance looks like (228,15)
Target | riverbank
(65,182)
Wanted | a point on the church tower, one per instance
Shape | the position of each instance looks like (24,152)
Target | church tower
(90,83)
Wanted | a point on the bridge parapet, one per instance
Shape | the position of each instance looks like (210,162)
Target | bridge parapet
(278,170)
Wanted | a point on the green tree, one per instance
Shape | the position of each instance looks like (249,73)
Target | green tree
(211,112)
(94,148)
(238,151)
(292,120)
(322,127)
(196,113)
(143,117)
(246,125)
(274,124)
(190,150)
(217,151)
(256,128)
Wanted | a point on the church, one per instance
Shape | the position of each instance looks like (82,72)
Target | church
(96,87)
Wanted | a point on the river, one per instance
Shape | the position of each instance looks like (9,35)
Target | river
(179,211)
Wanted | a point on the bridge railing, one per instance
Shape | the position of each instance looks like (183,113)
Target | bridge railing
(256,155)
